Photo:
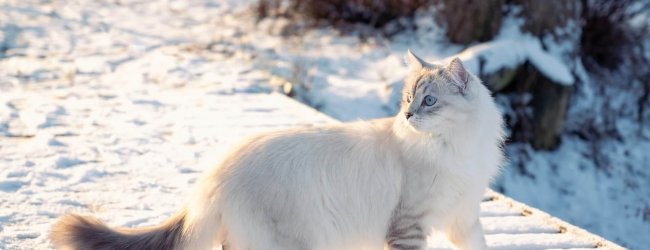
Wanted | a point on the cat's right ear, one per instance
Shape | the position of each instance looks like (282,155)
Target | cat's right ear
(414,62)
(458,73)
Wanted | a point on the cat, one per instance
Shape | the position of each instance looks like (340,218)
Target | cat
(376,184)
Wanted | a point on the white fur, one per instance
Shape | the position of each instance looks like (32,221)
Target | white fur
(338,187)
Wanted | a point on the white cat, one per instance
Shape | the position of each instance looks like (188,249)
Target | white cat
(364,185)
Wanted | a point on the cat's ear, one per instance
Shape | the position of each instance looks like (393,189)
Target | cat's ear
(414,62)
(458,73)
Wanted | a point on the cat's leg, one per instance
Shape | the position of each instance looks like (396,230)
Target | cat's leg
(406,234)
(467,234)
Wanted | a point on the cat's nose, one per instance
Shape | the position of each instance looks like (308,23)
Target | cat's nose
(408,115)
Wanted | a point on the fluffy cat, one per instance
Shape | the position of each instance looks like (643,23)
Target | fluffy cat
(364,185)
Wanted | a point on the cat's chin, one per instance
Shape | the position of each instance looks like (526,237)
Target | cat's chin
(413,129)
(420,128)
(416,127)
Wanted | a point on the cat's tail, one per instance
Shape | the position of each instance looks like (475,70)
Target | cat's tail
(79,232)
(197,226)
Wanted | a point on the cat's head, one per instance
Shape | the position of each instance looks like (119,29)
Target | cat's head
(438,98)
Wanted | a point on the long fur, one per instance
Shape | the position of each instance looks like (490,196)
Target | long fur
(364,185)
(78,232)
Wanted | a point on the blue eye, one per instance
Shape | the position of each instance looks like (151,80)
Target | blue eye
(429,100)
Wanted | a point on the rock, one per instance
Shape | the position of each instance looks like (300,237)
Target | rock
(500,79)
(549,103)
(469,21)
(546,17)
(549,108)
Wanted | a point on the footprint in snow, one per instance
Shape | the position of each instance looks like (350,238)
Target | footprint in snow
(17,174)
(11,186)
(67,162)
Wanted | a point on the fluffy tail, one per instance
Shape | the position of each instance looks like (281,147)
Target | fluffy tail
(78,232)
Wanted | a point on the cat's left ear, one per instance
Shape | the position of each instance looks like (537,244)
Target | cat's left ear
(458,73)
(414,62)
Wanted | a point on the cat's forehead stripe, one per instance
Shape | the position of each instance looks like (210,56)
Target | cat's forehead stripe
(433,77)
(417,83)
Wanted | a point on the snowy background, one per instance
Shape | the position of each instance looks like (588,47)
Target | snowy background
(89,87)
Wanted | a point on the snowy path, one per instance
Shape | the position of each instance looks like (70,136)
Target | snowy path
(114,108)
(130,161)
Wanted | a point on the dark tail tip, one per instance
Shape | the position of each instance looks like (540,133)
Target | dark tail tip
(78,232)
(74,231)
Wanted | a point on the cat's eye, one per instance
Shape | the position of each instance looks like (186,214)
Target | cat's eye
(408,98)
(429,100)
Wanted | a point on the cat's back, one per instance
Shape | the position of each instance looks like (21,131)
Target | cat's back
(311,143)
(299,154)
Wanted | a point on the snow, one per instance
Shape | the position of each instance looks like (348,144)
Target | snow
(114,108)
(130,173)
(510,53)
(511,48)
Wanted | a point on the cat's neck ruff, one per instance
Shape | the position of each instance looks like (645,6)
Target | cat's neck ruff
(413,142)
(431,145)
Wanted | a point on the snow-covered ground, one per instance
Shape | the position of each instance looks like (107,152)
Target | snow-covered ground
(89,88)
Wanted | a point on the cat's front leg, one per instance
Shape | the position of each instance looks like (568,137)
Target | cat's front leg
(467,234)
(406,235)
